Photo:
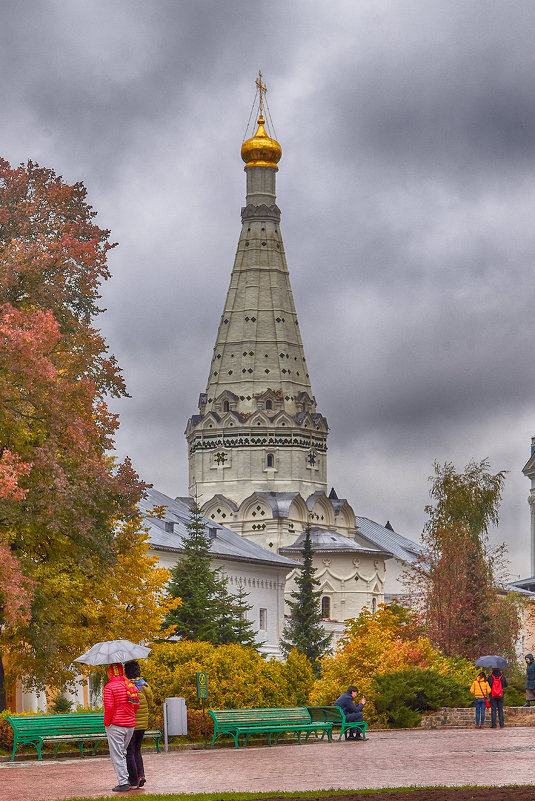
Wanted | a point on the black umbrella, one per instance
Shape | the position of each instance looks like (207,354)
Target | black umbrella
(492,661)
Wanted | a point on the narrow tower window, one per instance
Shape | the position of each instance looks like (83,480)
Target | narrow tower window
(226,406)
(326,607)
(269,404)
(263,620)
(269,462)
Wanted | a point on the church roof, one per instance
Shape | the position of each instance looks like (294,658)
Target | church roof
(325,541)
(226,544)
(380,536)
(524,586)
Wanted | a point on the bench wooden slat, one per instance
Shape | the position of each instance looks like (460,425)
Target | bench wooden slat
(277,720)
(75,727)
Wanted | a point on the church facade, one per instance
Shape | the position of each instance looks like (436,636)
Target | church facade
(257,447)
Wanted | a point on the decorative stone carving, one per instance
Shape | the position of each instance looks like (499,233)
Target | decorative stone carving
(251,212)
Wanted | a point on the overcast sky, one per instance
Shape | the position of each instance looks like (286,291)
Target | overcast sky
(407,194)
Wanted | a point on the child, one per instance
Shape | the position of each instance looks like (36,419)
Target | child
(481,690)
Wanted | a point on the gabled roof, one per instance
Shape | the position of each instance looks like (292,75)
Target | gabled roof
(400,547)
(526,585)
(325,541)
(226,544)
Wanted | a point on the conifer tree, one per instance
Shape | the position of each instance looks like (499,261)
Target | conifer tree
(243,629)
(208,612)
(304,631)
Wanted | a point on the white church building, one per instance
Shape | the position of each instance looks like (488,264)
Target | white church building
(257,447)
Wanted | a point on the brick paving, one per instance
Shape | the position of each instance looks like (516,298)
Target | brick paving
(388,759)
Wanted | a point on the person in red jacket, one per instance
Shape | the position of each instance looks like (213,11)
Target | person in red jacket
(120,703)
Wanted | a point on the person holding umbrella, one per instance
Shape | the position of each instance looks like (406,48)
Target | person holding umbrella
(121,699)
(497,683)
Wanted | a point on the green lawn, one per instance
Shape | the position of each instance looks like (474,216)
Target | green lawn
(257,796)
(249,796)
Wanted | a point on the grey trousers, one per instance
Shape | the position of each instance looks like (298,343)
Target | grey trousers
(118,739)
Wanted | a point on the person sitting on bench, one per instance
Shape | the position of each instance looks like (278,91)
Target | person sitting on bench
(351,710)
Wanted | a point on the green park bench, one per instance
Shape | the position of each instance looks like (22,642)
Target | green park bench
(271,722)
(335,716)
(76,727)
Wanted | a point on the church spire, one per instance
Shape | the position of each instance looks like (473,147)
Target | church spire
(258,427)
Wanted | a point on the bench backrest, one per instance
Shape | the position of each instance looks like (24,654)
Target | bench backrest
(297,714)
(39,725)
(326,714)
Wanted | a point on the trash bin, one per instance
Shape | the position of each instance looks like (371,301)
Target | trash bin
(175,718)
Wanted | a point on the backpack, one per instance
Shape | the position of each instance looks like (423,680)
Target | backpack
(497,687)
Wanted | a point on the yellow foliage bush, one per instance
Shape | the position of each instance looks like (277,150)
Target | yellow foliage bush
(374,644)
(238,677)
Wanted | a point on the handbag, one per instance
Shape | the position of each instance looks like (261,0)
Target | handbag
(487,702)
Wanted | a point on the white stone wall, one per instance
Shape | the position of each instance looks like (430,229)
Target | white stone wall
(351,582)
(242,471)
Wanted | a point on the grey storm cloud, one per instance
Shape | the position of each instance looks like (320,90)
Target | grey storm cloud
(407,195)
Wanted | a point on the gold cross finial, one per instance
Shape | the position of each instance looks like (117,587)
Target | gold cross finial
(262,89)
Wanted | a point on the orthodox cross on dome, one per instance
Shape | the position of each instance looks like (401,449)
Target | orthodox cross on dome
(262,91)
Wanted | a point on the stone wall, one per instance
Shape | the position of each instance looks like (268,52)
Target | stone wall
(447,718)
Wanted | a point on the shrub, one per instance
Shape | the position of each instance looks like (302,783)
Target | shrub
(382,643)
(199,727)
(401,697)
(238,677)
(6,732)
(514,697)
(60,705)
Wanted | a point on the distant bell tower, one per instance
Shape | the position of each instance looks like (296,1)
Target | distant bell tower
(258,429)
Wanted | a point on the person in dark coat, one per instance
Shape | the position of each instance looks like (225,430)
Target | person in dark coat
(351,710)
(496,701)
(530,679)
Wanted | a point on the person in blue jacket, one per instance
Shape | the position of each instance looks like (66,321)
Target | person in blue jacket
(352,710)
(530,679)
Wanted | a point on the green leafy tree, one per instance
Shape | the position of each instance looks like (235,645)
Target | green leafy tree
(456,583)
(207,612)
(304,631)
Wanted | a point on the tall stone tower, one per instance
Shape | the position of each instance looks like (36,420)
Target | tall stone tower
(258,427)
(258,446)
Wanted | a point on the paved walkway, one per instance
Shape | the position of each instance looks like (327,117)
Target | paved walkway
(388,759)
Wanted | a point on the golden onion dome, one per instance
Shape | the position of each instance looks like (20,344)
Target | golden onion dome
(261,150)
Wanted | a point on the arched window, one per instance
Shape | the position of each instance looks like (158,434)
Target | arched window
(374,605)
(226,406)
(269,460)
(326,606)
(269,404)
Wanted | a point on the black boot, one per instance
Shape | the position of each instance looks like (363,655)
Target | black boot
(528,703)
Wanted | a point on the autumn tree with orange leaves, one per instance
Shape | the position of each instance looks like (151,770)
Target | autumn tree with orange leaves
(63,498)
(457,583)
